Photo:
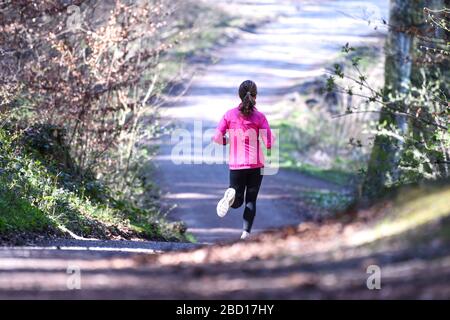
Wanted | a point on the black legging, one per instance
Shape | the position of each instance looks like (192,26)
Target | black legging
(248,181)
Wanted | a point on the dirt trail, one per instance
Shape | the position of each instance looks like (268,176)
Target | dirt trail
(278,56)
(308,262)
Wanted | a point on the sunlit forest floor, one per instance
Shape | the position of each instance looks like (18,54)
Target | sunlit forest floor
(407,238)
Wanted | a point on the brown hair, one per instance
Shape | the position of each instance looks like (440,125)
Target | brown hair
(247,93)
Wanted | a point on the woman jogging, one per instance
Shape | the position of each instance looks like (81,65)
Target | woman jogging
(244,124)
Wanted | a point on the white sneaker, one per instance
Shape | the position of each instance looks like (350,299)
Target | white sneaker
(224,204)
(245,235)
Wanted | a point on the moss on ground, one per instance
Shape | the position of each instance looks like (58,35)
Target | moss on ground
(418,215)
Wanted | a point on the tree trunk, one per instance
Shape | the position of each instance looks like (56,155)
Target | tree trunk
(383,167)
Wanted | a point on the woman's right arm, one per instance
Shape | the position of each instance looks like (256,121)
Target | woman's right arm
(266,134)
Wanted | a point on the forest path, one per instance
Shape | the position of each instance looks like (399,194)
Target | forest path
(279,56)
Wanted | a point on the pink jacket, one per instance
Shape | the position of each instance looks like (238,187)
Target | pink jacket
(243,136)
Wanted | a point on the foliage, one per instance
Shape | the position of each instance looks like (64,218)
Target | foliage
(35,196)
(421,104)
(301,142)
(437,19)
(329,200)
(89,67)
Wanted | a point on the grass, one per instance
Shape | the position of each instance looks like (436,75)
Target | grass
(18,215)
(191,238)
(36,197)
(369,56)
(203,26)
(328,200)
(413,212)
(334,175)
(296,140)
(417,215)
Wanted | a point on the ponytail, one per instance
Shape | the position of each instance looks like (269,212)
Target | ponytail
(247,93)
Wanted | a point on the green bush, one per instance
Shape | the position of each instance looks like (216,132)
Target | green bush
(37,196)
